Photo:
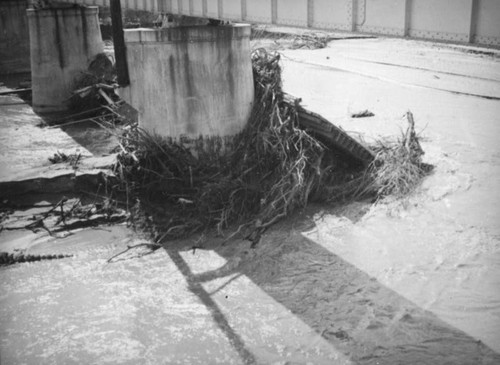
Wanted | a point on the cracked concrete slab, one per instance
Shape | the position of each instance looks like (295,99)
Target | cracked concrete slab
(26,144)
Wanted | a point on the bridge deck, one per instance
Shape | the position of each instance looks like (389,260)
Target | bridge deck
(457,21)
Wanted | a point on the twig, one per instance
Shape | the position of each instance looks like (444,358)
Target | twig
(39,223)
(132,154)
(410,131)
(152,246)
(106,97)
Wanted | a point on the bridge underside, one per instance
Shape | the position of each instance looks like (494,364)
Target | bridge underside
(456,21)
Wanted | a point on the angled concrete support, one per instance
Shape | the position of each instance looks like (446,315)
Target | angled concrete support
(62,41)
(190,81)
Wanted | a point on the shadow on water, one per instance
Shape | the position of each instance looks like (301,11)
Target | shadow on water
(360,317)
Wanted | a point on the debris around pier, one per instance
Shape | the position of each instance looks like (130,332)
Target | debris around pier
(310,41)
(277,40)
(266,172)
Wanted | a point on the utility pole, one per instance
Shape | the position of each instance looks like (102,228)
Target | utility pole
(119,43)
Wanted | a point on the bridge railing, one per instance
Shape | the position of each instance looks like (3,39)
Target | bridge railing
(459,21)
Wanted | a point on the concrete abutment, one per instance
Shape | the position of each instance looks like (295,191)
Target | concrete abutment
(62,42)
(186,81)
(14,37)
(191,81)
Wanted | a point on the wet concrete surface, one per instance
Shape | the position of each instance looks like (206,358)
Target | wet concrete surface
(28,142)
(24,143)
(403,282)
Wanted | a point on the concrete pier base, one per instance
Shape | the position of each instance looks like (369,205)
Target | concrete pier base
(14,37)
(190,81)
(62,41)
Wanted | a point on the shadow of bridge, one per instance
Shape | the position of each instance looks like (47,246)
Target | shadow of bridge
(360,317)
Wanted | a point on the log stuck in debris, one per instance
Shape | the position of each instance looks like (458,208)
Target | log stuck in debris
(328,133)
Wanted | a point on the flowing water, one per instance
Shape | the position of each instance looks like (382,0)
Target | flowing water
(415,281)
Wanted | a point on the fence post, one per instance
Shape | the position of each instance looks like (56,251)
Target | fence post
(119,43)
(310,13)
(353,11)
(243,10)
(407,21)
(274,11)
(473,21)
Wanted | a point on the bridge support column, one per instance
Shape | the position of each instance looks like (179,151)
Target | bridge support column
(191,81)
(63,41)
(14,37)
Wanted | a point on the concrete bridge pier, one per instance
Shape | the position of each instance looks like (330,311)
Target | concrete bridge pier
(63,40)
(14,37)
(190,81)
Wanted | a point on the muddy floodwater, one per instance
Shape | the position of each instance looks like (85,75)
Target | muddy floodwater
(412,281)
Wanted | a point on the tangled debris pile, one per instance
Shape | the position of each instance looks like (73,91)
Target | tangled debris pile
(279,41)
(310,41)
(261,175)
(396,170)
(256,178)
(398,167)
